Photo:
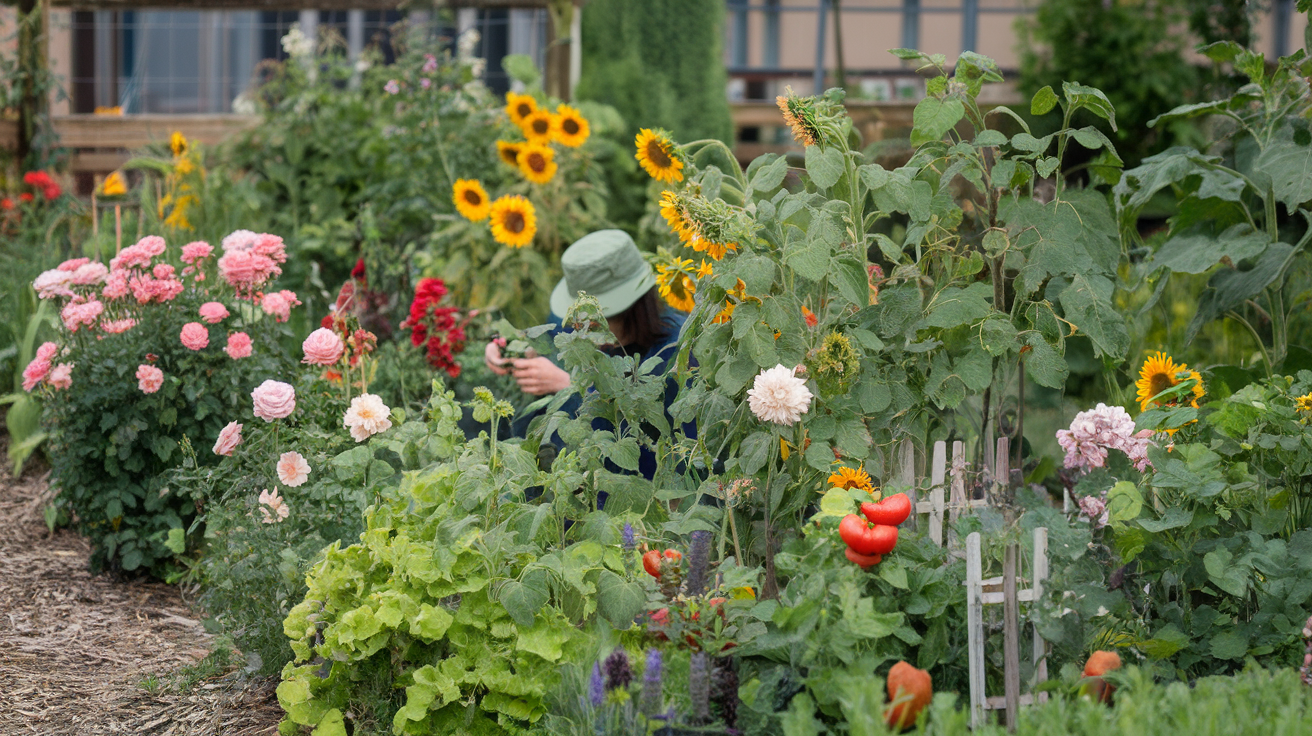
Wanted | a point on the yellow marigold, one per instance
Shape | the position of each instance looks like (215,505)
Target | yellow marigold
(184,166)
(178,144)
(537,162)
(658,156)
(539,126)
(675,286)
(572,128)
(1159,372)
(514,221)
(113,185)
(508,151)
(852,478)
(471,200)
(519,107)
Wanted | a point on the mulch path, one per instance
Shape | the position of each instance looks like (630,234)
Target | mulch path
(75,648)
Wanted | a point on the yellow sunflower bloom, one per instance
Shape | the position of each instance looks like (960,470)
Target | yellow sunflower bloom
(178,144)
(675,286)
(537,162)
(519,107)
(705,269)
(1304,403)
(471,200)
(852,478)
(1159,372)
(509,152)
(113,185)
(674,216)
(539,126)
(658,156)
(514,221)
(573,128)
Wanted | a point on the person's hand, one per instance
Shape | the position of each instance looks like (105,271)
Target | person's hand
(539,376)
(492,358)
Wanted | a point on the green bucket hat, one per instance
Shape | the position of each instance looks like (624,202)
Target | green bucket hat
(606,265)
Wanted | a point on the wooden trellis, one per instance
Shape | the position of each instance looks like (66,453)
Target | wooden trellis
(943,477)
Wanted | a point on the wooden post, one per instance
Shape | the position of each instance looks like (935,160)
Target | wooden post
(1040,575)
(975,629)
(906,470)
(937,473)
(118,228)
(957,501)
(1010,631)
(556,79)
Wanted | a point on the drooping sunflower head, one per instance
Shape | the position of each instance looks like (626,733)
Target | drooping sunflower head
(675,216)
(572,128)
(537,162)
(519,107)
(659,157)
(508,152)
(178,144)
(801,117)
(716,251)
(675,285)
(1159,373)
(539,126)
(514,221)
(471,199)
(848,478)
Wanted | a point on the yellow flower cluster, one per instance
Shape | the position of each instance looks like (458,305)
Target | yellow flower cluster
(534,157)
(514,221)
(180,197)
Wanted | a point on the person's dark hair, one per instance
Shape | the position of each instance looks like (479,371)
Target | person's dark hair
(644,323)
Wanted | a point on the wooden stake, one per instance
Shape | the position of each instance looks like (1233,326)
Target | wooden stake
(118,228)
(1011,636)
(1040,575)
(937,473)
(975,629)
(95,213)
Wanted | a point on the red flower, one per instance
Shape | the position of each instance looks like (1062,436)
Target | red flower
(434,327)
(6,204)
(37,179)
(25,196)
(52,191)
(358,272)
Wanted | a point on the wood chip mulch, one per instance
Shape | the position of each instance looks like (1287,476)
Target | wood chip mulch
(75,648)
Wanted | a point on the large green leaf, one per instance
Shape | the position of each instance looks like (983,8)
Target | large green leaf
(824,165)
(1071,236)
(1231,287)
(1287,167)
(933,118)
(1196,251)
(1226,572)
(956,306)
(1088,305)
(619,601)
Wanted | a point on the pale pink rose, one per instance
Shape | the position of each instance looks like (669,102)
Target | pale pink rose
(271,247)
(89,274)
(367,416)
(272,507)
(163,271)
(77,314)
(73,264)
(279,304)
(147,288)
(245,270)
(53,283)
(116,285)
(239,345)
(35,372)
(273,400)
(138,255)
(213,312)
(238,240)
(229,438)
(61,376)
(323,347)
(194,336)
(192,252)
(47,351)
(292,469)
(149,378)
(118,326)
(152,245)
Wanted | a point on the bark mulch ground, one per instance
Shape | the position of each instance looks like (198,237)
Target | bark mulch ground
(75,649)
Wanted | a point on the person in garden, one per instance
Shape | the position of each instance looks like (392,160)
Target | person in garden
(607,266)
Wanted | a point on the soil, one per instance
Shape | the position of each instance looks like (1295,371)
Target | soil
(77,651)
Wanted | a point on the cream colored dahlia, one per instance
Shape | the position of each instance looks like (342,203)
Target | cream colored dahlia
(779,396)
(367,416)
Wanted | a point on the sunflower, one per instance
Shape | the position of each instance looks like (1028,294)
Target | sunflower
(1304,403)
(800,116)
(509,152)
(705,269)
(471,200)
(178,144)
(573,128)
(113,185)
(514,222)
(676,287)
(675,217)
(658,156)
(1160,372)
(539,127)
(519,107)
(851,478)
(537,162)
(716,251)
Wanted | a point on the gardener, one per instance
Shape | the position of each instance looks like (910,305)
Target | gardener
(607,266)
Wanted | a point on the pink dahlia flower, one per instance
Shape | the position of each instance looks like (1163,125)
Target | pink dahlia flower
(229,438)
(61,376)
(73,264)
(239,345)
(116,285)
(118,326)
(90,274)
(192,252)
(194,336)
(279,304)
(273,400)
(213,312)
(323,347)
(292,469)
(149,378)
(77,314)
(53,283)
(35,372)
(47,351)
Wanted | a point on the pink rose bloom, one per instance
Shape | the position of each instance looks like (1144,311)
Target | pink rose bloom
(35,372)
(195,336)
(116,285)
(292,469)
(73,264)
(229,438)
(192,252)
(245,270)
(238,240)
(163,271)
(279,304)
(271,247)
(367,416)
(149,378)
(77,314)
(47,351)
(53,283)
(323,347)
(274,400)
(213,312)
(118,326)
(272,507)
(239,345)
(61,376)
(138,255)
(89,274)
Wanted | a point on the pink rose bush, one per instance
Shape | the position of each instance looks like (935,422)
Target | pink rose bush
(274,400)
(61,376)
(149,378)
(1092,433)
(323,347)
(279,304)
(239,345)
(272,507)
